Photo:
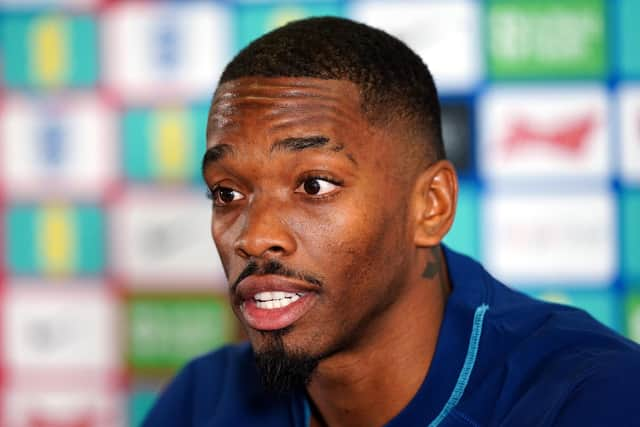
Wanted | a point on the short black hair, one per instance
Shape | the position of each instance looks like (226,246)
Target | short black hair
(394,82)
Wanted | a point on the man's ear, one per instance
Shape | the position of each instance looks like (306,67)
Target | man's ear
(434,203)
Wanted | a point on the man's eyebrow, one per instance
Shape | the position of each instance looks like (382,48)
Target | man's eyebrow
(300,143)
(215,154)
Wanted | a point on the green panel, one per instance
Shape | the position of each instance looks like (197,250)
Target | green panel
(20,232)
(165,333)
(463,236)
(632,307)
(546,38)
(84,70)
(602,305)
(90,231)
(252,21)
(629,37)
(630,211)
(136,145)
(14,30)
(139,404)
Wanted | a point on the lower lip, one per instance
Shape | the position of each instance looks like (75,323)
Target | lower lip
(264,319)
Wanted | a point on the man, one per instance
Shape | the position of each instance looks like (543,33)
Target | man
(331,195)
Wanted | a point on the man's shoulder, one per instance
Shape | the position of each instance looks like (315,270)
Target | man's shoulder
(205,383)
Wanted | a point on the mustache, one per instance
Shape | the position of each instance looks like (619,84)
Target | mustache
(277,268)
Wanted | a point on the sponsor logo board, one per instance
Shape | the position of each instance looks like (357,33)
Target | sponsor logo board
(166,332)
(60,146)
(446,35)
(546,240)
(163,144)
(154,50)
(542,132)
(628,32)
(49,50)
(68,408)
(60,332)
(162,240)
(253,20)
(55,239)
(456,132)
(629,114)
(546,38)
(632,308)
(630,213)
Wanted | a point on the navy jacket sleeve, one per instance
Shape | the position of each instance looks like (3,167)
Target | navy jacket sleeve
(607,397)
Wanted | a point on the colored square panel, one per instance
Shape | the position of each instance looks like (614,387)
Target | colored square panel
(546,38)
(253,20)
(65,334)
(57,240)
(164,50)
(632,309)
(445,33)
(550,238)
(463,236)
(544,133)
(166,332)
(58,145)
(163,242)
(140,403)
(629,116)
(49,50)
(163,144)
(630,216)
(58,406)
(603,305)
(628,32)
(456,132)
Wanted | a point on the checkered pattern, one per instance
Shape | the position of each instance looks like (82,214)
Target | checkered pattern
(108,279)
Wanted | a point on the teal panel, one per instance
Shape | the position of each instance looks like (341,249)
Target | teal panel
(463,236)
(629,37)
(252,21)
(630,210)
(135,142)
(84,48)
(90,231)
(139,404)
(21,243)
(13,42)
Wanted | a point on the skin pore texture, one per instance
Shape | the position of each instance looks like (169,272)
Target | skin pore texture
(355,213)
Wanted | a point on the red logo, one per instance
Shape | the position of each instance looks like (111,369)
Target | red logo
(569,137)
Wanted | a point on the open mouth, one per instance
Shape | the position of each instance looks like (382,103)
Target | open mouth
(277,299)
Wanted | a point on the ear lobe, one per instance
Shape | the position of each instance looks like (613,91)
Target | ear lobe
(435,203)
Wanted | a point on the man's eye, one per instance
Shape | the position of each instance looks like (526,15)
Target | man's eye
(316,186)
(222,196)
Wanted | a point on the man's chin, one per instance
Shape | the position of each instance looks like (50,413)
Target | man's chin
(282,369)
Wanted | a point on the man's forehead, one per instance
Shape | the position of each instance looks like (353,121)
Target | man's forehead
(284,102)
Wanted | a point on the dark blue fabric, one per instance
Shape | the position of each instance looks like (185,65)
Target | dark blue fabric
(537,364)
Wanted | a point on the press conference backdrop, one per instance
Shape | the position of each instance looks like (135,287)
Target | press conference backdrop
(109,280)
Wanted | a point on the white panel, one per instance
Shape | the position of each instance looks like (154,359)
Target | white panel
(629,113)
(446,35)
(533,132)
(549,239)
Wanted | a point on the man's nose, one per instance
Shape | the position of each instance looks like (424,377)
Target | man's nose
(264,232)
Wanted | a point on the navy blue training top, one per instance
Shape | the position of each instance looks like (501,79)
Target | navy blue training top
(502,359)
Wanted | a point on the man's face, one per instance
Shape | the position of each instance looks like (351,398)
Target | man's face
(300,177)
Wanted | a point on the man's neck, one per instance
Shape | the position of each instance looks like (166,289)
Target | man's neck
(369,385)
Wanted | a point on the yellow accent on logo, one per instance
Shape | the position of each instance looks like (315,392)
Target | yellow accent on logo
(49,41)
(171,143)
(56,240)
(282,16)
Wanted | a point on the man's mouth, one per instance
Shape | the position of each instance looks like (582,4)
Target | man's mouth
(272,302)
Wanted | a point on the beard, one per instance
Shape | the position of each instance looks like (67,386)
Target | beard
(283,370)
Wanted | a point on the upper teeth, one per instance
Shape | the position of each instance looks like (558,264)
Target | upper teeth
(275,299)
